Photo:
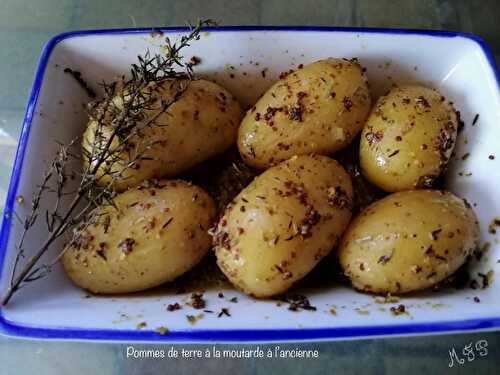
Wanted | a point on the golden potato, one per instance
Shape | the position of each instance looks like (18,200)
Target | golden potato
(408,241)
(319,109)
(155,234)
(408,139)
(202,123)
(281,225)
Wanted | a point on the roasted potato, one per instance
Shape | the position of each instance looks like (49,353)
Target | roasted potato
(154,234)
(202,123)
(408,241)
(408,139)
(319,108)
(281,225)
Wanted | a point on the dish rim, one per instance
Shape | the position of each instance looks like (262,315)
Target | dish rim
(215,335)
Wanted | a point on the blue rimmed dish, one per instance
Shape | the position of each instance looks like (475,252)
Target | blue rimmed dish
(458,64)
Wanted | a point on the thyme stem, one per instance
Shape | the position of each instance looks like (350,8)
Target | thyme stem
(127,122)
(34,259)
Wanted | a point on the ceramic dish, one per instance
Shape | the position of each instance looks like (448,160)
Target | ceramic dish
(459,65)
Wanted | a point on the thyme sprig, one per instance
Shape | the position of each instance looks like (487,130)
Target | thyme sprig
(127,109)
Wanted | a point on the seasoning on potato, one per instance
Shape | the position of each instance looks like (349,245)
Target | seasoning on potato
(408,241)
(155,233)
(202,123)
(319,108)
(282,224)
(408,139)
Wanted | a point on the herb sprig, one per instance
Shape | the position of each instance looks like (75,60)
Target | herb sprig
(128,107)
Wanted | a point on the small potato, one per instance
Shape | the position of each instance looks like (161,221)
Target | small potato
(408,139)
(408,241)
(318,109)
(154,235)
(281,225)
(202,123)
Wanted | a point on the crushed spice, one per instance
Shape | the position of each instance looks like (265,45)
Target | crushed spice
(173,307)
(372,137)
(422,102)
(167,223)
(485,279)
(162,330)
(385,258)
(297,302)
(444,142)
(398,310)
(270,112)
(100,250)
(127,245)
(434,234)
(493,225)
(195,60)
(197,301)
(338,197)
(295,113)
(223,311)
(285,74)
(347,102)
(192,319)
(220,236)
(476,118)
(461,124)
(416,268)
(311,218)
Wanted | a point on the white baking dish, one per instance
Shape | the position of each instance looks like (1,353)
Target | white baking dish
(457,64)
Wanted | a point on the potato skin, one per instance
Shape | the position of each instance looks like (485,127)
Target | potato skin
(202,123)
(318,109)
(408,139)
(281,225)
(157,234)
(408,241)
